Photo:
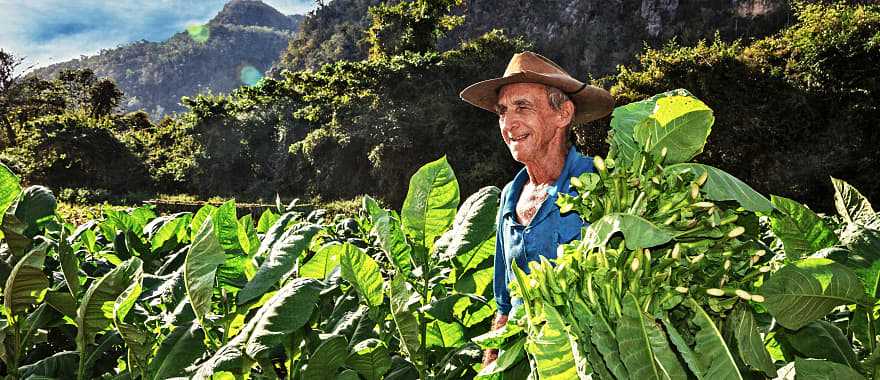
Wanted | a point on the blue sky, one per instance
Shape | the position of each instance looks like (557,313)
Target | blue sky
(50,31)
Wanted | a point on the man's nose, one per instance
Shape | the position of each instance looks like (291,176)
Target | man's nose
(507,123)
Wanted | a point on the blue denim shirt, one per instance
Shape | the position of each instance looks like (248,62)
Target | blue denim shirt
(544,233)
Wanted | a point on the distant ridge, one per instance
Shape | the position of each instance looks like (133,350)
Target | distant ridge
(255,13)
(239,44)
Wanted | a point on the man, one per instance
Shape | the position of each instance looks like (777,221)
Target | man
(536,102)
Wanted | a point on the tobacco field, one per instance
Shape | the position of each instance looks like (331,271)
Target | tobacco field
(682,271)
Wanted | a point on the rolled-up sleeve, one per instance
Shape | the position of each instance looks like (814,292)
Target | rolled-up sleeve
(500,280)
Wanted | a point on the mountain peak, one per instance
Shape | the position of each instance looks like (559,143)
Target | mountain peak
(254,13)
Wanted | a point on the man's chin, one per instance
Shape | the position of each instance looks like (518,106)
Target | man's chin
(519,156)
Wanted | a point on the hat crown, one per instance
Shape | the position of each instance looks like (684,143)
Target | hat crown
(532,62)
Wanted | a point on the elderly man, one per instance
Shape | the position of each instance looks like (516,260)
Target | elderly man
(536,102)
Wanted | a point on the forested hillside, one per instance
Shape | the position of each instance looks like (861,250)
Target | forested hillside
(233,49)
(586,37)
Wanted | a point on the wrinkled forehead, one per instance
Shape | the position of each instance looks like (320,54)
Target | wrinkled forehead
(518,92)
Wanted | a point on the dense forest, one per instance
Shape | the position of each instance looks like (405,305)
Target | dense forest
(808,93)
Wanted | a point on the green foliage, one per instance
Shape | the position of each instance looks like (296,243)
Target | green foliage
(195,295)
(75,150)
(409,26)
(783,103)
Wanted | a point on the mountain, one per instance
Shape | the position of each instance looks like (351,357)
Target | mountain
(588,37)
(235,47)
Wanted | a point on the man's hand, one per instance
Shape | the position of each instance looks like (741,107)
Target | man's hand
(491,354)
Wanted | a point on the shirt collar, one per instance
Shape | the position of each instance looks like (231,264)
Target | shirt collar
(523,176)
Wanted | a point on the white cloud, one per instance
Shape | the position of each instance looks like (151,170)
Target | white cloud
(51,31)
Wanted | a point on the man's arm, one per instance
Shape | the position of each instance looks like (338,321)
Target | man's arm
(499,285)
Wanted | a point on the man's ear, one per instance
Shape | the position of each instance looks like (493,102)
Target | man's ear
(566,113)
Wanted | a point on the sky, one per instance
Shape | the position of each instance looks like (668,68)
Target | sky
(51,31)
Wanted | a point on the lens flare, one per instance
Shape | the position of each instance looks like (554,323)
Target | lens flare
(249,75)
(199,33)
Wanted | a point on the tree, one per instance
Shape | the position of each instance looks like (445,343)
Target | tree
(8,87)
(412,26)
(104,97)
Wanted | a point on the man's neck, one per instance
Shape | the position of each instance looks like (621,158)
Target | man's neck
(546,170)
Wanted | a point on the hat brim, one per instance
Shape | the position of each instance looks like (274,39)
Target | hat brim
(591,103)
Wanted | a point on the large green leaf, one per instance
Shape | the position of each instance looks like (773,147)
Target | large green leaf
(24,218)
(200,267)
(9,189)
(721,186)
(473,226)
(274,234)
(823,340)
(137,339)
(63,302)
(496,338)
(605,340)
(57,366)
(678,125)
(853,206)
(228,358)
(362,272)
(34,203)
(25,284)
(280,261)
(267,219)
(686,352)
(711,348)
(393,242)
(749,343)
(802,231)
(863,255)
(806,290)
(326,359)
(638,232)
(199,218)
(286,312)
(431,202)
(369,358)
(552,349)
(442,334)
(624,119)
(247,235)
(667,362)
(96,309)
(633,341)
(170,231)
(180,349)
(323,262)
(405,323)
(225,221)
(824,370)
(372,208)
(69,267)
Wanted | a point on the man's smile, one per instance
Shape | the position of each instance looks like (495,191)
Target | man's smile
(520,138)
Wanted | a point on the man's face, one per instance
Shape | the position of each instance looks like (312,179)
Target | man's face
(529,125)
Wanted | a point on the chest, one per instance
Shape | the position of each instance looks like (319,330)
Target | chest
(528,205)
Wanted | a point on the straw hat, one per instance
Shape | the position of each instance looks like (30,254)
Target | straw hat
(590,102)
